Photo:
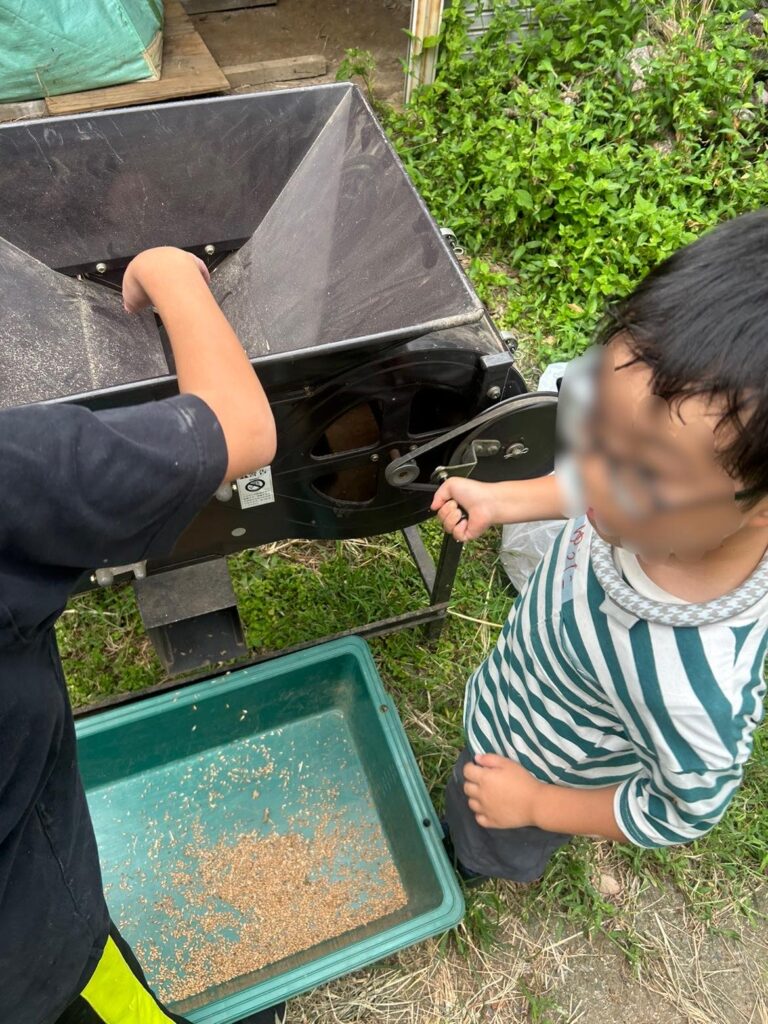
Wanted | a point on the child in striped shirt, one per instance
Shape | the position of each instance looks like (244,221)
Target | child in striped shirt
(623,693)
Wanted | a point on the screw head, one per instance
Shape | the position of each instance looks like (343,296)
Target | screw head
(101,268)
(375,457)
(209,250)
(494,393)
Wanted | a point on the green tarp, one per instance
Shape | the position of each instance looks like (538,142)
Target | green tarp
(48,47)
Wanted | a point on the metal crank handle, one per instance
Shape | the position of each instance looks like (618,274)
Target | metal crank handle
(441,475)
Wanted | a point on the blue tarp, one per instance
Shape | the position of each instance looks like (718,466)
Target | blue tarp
(48,47)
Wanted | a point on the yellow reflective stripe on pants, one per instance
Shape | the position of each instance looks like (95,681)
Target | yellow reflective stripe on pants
(116,994)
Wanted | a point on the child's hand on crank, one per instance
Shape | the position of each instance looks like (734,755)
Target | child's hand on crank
(145,273)
(463,507)
(500,792)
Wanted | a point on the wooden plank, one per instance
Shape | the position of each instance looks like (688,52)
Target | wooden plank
(188,70)
(22,111)
(217,6)
(286,69)
(426,18)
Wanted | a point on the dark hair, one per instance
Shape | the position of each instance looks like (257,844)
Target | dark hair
(700,322)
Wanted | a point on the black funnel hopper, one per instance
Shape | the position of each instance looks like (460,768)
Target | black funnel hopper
(60,336)
(319,238)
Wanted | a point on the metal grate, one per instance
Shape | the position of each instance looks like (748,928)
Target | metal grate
(482,15)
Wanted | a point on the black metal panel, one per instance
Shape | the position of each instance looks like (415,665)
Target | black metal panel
(343,252)
(59,337)
(184,593)
(98,186)
(210,639)
(346,252)
(336,438)
(191,616)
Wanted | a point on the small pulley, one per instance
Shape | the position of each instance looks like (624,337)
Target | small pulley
(515,440)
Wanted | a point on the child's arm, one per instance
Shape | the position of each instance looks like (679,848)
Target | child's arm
(581,812)
(514,501)
(210,361)
(502,794)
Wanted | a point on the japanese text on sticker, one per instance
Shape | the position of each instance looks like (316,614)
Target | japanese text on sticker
(256,488)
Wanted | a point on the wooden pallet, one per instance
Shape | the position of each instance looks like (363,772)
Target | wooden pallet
(188,70)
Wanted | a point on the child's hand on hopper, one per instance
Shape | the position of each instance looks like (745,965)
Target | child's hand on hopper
(144,269)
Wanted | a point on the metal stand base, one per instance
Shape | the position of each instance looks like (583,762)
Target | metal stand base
(438,581)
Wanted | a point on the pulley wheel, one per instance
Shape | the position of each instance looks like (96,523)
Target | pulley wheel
(518,445)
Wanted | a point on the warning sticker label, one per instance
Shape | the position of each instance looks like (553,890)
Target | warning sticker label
(256,488)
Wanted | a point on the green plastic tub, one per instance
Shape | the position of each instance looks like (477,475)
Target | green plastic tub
(305,746)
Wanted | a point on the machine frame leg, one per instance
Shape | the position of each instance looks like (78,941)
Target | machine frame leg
(438,582)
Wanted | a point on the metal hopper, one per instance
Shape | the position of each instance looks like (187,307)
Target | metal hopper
(376,353)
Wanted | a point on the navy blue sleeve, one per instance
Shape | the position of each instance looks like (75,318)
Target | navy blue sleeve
(81,490)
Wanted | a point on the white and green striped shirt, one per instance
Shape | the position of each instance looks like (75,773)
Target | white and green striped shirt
(593,683)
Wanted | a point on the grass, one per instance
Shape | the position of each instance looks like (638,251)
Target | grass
(522,953)
(296,591)
(539,953)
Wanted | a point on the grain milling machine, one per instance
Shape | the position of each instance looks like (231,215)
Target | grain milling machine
(385,375)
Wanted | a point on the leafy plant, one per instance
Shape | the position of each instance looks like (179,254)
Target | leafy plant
(360,64)
(581,150)
(539,1006)
(480,924)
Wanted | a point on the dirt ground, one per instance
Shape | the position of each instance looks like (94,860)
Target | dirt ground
(541,974)
(295,28)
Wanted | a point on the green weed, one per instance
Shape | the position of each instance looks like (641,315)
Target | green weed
(553,155)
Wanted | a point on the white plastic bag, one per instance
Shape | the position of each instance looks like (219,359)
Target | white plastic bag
(523,545)
(551,377)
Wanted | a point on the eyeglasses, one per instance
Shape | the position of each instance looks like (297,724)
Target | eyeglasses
(635,487)
(637,490)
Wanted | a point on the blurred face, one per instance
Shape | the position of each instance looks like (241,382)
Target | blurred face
(648,470)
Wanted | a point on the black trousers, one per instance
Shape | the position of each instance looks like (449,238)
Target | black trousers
(520,854)
(118,993)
